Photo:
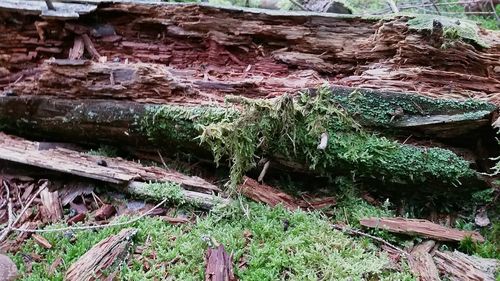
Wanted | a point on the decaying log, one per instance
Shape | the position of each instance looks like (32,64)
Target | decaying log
(419,227)
(421,262)
(61,10)
(272,196)
(219,265)
(122,173)
(107,169)
(102,256)
(235,50)
(51,205)
(457,266)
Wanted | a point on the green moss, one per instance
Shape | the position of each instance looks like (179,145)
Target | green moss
(453,29)
(159,191)
(375,108)
(292,129)
(309,250)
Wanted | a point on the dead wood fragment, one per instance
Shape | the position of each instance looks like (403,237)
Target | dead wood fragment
(177,220)
(219,265)
(118,171)
(75,219)
(105,212)
(8,269)
(40,240)
(100,257)
(421,262)
(76,52)
(51,206)
(420,227)
(458,266)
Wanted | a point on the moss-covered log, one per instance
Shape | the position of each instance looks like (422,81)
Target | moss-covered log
(286,130)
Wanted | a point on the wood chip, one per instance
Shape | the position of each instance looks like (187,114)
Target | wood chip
(105,212)
(40,240)
(177,220)
(219,265)
(421,262)
(419,227)
(51,206)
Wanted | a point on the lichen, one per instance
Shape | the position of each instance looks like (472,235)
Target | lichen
(453,29)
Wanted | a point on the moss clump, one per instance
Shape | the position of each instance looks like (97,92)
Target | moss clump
(375,108)
(159,191)
(180,124)
(292,129)
(453,29)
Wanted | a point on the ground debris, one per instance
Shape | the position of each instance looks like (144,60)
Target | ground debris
(421,263)
(273,196)
(219,265)
(420,227)
(459,266)
(101,257)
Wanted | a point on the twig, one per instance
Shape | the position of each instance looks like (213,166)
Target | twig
(8,228)
(87,227)
(435,7)
(495,12)
(378,239)
(264,171)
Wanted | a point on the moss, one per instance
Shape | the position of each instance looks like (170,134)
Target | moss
(308,250)
(453,29)
(159,191)
(292,129)
(374,108)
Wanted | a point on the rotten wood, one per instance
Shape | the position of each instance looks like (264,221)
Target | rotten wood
(421,262)
(102,256)
(8,269)
(219,265)
(104,212)
(422,228)
(176,220)
(51,210)
(264,53)
(457,266)
(272,196)
(116,170)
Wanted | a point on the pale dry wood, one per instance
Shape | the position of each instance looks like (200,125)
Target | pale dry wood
(100,257)
(420,227)
(458,266)
(115,170)
(51,206)
(8,269)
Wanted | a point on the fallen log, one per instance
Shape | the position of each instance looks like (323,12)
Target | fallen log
(180,127)
(419,227)
(102,256)
(235,50)
(219,265)
(459,266)
(122,173)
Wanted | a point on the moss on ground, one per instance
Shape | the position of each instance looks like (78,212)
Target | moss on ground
(309,250)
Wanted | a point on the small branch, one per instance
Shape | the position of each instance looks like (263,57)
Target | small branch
(10,223)
(351,231)
(263,172)
(393,6)
(299,5)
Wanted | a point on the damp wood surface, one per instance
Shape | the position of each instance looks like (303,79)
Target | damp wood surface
(203,53)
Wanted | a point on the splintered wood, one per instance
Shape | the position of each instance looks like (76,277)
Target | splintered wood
(103,256)
(112,170)
(421,263)
(219,265)
(457,266)
(419,227)
(272,196)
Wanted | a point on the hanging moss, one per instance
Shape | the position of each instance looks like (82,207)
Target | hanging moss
(292,129)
